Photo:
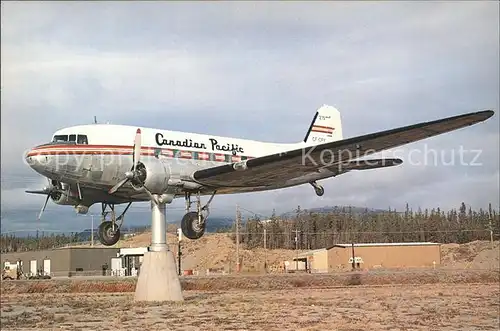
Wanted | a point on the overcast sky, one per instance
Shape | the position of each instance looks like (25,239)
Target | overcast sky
(257,71)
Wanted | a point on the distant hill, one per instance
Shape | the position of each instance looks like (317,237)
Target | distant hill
(215,223)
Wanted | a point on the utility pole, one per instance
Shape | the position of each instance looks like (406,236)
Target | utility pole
(265,250)
(353,258)
(179,232)
(297,248)
(92,232)
(490,226)
(238,216)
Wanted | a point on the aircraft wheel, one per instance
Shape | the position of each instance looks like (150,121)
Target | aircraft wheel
(319,191)
(190,227)
(108,236)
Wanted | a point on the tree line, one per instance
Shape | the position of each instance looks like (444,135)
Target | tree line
(9,242)
(12,243)
(343,226)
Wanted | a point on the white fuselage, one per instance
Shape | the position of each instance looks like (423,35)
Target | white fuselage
(99,154)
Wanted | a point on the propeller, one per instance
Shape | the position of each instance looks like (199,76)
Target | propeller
(134,173)
(47,190)
(43,208)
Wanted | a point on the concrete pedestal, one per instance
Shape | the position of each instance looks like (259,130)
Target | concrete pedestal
(158,279)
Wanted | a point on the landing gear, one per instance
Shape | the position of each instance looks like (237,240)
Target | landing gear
(193,223)
(109,230)
(109,233)
(318,189)
(191,226)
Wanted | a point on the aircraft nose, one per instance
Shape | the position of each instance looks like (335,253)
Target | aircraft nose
(34,159)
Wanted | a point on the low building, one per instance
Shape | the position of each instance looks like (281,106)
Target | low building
(372,255)
(66,261)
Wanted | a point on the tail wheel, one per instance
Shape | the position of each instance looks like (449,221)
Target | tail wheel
(107,235)
(190,227)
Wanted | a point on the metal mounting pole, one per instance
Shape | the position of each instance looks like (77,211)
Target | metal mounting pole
(158,227)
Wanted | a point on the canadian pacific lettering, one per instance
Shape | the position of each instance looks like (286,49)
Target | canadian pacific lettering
(226,148)
(189,143)
(180,143)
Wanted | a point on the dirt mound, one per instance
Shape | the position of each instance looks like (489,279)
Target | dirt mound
(473,255)
(216,251)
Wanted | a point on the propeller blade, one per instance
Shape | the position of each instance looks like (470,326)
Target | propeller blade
(44,191)
(128,176)
(135,160)
(43,208)
(118,185)
(137,148)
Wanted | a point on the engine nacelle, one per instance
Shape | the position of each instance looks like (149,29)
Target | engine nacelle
(154,175)
(61,198)
(81,209)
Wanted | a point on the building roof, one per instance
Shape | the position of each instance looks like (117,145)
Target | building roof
(388,244)
(308,253)
(304,254)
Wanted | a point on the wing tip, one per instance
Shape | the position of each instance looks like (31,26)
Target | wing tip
(483,114)
(488,113)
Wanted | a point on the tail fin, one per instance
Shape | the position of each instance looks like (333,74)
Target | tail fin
(326,126)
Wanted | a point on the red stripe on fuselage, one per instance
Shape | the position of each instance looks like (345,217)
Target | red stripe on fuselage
(322,131)
(323,127)
(108,149)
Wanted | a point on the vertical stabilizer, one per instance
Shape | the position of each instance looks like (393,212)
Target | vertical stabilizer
(326,126)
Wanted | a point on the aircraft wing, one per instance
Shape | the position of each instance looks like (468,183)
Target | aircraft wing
(278,168)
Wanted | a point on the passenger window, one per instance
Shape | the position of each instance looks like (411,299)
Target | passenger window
(72,137)
(60,138)
(82,139)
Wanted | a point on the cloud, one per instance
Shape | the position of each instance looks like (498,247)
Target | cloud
(258,71)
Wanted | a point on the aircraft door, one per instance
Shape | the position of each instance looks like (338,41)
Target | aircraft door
(91,167)
(108,164)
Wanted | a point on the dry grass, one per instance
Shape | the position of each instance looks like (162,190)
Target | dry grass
(419,307)
(262,282)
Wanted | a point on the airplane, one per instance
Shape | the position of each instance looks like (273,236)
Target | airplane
(97,163)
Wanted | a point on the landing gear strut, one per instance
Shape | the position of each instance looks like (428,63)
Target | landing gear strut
(193,223)
(318,188)
(109,230)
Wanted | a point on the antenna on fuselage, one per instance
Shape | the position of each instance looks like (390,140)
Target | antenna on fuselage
(95,119)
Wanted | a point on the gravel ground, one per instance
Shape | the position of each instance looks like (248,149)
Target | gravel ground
(370,307)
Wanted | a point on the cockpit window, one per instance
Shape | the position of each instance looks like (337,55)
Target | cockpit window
(82,139)
(59,138)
